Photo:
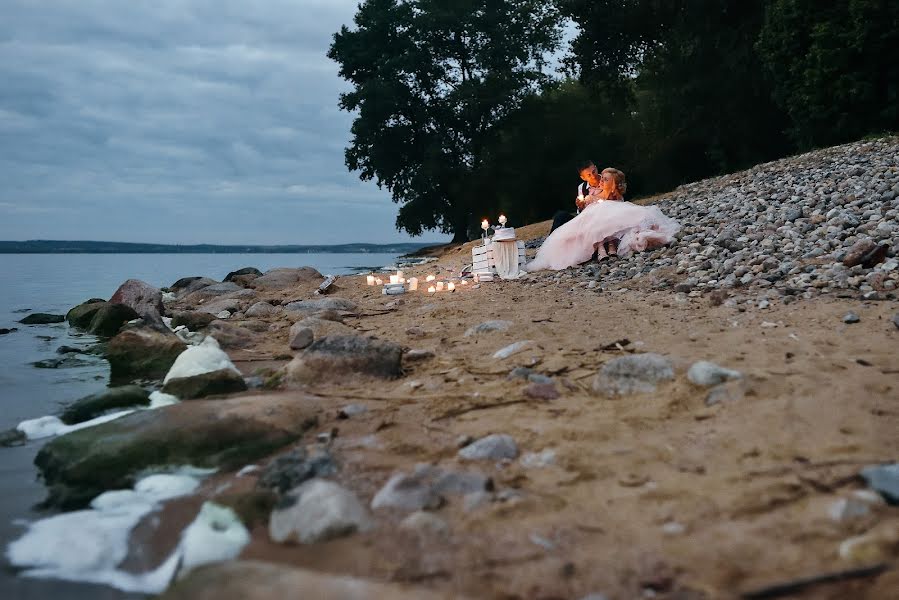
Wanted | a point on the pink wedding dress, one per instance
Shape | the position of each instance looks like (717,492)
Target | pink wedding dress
(635,227)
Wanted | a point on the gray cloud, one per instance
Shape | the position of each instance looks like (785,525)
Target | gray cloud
(179,121)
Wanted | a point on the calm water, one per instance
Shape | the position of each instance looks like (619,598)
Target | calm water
(53,283)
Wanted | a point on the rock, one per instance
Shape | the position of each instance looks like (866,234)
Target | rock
(321,304)
(290,470)
(511,349)
(109,319)
(248,580)
(226,434)
(42,319)
(261,309)
(210,291)
(488,326)
(67,362)
(704,373)
(541,391)
(69,350)
(278,279)
(879,544)
(193,320)
(850,318)
(496,446)
(244,271)
(316,511)
(895,320)
(142,298)
(635,373)
(81,316)
(5,331)
(231,302)
(426,488)
(519,373)
(321,327)
(417,355)
(12,437)
(730,391)
(233,335)
(425,522)
(300,337)
(532,460)
(858,251)
(142,352)
(351,410)
(95,405)
(335,357)
(875,256)
(884,479)
(415,331)
(859,504)
(188,285)
(215,383)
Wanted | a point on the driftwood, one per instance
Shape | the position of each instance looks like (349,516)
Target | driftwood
(797,585)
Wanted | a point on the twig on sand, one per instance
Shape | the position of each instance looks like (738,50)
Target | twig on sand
(473,407)
(797,585)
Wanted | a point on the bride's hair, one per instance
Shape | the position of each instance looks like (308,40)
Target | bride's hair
(620,179)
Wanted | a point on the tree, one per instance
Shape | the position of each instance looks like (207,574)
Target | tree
(432,79)
(833,66)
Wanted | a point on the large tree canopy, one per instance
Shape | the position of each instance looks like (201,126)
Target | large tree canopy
(431,80)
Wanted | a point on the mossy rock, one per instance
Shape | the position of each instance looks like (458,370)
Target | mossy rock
(109,318)
(42,319)
(224,434)
(81,316)
(96,404)
(142,352)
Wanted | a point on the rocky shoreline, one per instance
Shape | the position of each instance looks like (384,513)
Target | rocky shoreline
(709,419)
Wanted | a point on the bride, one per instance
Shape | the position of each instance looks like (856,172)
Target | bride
(607,226)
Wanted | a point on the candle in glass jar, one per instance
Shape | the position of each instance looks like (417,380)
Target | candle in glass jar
(413,284)
(399,274)
(431,289)
(430,278)
(379,281)
(450,286)
(370,280)
(439,286)
(394,279)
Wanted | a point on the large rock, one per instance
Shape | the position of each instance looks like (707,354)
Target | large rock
(225,434)
(339,356)
(248,580)
(95,405)
(290,470)
(261,309)
(142,352)
(207,292)
(81,316)
(316,511)
(885,480)
(109,318)
(279,279)
(189,285)
(427,487)
(631,374)
(42,319)
(496,446)
(214,383)
(192,319)
(320,328)
(865,252)
(142,297)
(321,304)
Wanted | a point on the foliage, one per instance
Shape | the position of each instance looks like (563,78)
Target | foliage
(431,79)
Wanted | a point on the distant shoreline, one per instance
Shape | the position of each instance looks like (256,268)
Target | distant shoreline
(92,247)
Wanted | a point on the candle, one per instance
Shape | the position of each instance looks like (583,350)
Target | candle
(502,220)
(439,286)
(431,289)
(399,274)
(450,286)
(485,225)
(394,279)
(430,278)
(413,284)
(379,281)
(464,282)
(370,280)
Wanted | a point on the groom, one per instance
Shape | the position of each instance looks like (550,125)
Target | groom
(590,178)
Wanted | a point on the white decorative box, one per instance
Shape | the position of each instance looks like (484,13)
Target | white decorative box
(482,260)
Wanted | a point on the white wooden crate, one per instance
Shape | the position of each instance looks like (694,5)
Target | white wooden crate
(482,260)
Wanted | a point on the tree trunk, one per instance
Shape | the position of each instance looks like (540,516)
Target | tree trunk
(460,229)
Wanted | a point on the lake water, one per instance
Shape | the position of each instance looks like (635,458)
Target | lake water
(53,283)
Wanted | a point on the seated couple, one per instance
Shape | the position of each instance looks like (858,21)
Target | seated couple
(604,225)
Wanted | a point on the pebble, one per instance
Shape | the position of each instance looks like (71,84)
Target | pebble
(536,460)
(425,522)
(883,479)
(706,374)
(488,327)
(493,447)
(635,373)
(511,349)
(851,317)
(316,511)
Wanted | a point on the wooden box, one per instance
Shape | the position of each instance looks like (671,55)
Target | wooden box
(482,257)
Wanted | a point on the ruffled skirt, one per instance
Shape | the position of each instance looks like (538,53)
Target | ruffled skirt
(636,228)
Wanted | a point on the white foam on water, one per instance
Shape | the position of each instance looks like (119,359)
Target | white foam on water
(159,399)
(41,427)
(89,545)
(205,357)
(216,535)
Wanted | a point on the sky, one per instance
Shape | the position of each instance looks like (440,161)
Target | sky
(180,121)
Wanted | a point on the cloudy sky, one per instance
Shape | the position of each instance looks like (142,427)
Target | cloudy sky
(179,121)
